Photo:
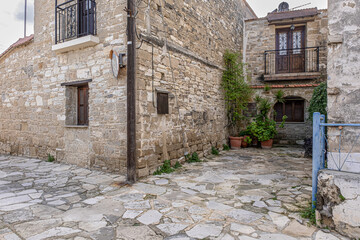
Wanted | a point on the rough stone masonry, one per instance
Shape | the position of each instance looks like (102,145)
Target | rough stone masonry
(180,52)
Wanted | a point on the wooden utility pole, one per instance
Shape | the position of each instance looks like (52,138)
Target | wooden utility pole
(131,91)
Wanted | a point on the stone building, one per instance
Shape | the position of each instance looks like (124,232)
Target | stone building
(286,50)
(63,90)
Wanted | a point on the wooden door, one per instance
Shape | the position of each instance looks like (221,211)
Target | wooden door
(290,54)
(83,105)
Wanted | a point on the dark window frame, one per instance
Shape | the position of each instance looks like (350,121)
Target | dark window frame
(162,100)
(83,105)
(294,106)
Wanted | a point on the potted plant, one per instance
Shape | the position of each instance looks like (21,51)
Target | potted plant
(245,134)
(237,92)
(263,128)
(246,142)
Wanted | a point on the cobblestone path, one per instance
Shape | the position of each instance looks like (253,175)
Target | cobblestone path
(246,195)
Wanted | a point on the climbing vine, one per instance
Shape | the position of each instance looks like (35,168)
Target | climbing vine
(238,92)
(318,102)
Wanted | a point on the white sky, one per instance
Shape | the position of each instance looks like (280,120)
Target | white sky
(263,7)
(12,12)
(12,21)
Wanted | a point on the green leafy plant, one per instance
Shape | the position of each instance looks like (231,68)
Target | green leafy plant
(342,198)
(177,165)
(309,213)
(248,140)
(265,129)
(214,151)
(51,158)
(237,91)
(244,133)
(194,158)
(165,168)
(226,147)
(267,88)
(318,102)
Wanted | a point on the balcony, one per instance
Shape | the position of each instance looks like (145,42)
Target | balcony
(75,25)
(292,64)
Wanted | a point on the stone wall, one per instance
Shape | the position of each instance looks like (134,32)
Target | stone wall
(338,202)
(344,79)
(182,53)
(260,37)
(33,102)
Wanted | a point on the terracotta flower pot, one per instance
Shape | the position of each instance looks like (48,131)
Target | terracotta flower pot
(243,143)
(235,142)
(267,144)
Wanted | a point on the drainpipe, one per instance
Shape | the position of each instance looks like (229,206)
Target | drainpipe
(131,92)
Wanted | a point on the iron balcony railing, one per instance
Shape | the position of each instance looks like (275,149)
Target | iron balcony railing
(74,19)
(297,60)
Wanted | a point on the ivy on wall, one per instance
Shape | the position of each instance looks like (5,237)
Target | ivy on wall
(318,102)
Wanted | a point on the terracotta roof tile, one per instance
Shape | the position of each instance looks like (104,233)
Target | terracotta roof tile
(287,86)
(292,14)
(18,43)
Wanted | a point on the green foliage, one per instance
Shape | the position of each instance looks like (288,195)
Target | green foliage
(309,213)
(165,168)
(238,93)
(194,158)
(226,147)
(342,198)
(264,108)
(267,88)
(244,133)
(51,158)
(258,99)
(279,96)
(265,129)
(318,102)
(214,151)
(177,165)
(248,140)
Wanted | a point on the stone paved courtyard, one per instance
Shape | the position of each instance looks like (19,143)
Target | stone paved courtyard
(246,194)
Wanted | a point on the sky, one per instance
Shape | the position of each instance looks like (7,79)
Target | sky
(12,21)
(263,7)
(12,16)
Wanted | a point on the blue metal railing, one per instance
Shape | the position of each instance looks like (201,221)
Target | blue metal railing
(321,153)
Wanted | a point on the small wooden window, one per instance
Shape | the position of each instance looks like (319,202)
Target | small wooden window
(162,103)
(83,105)
(293,109)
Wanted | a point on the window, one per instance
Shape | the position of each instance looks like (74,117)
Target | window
(293,108)
(77,103)
(162,103)
(83,105)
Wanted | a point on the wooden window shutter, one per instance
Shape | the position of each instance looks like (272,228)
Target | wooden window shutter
(162,103)
(83,105)
(279,113)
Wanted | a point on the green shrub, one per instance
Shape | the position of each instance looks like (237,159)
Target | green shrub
(165,168)
(318,102)
(177,165)
(238,92)
(192,158)
(309,213)
(214,151)
(226,147)
(51,158)
(267,88)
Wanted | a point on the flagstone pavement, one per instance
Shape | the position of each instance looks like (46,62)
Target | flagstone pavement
(245,194)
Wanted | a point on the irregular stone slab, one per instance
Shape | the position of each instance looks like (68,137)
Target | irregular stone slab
(7,234)
(14,200)
(227,237)
(92,226)
(82,215)
(320,235)
(137,233)
(273,203)
(137,205)
(246,238)
(296,229)
(241,228)
(129,197)
(249,199)
(276,237)
(100,179)
(92,201)
(131,214)
(260,204)
(210,177)
(150,189)
(204,230)
(178,237)
(29,229)
(244,216)
(10,208)
(161,181)
(150,217)
(218,206)
(279,220)
(171,228)
(18,216)
(104,234)
(197,210)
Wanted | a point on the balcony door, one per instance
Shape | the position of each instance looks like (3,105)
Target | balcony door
(86,12)
(290,52)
